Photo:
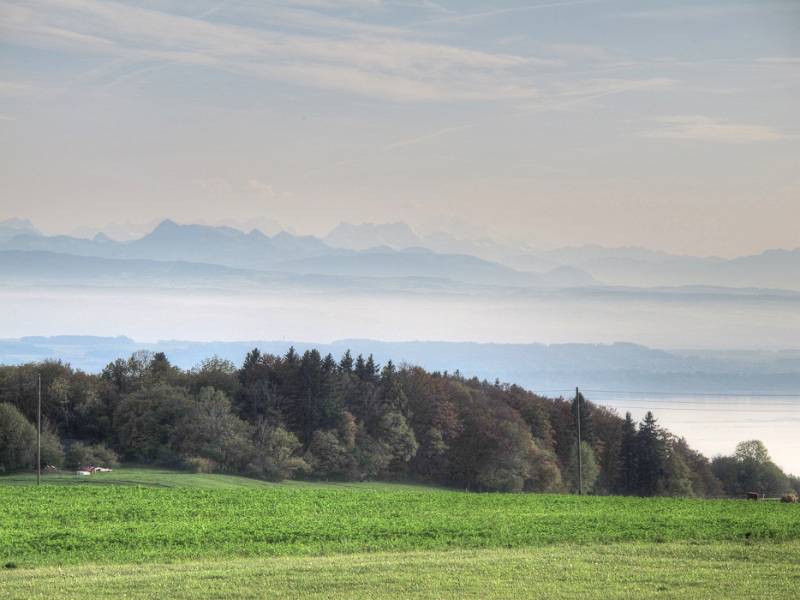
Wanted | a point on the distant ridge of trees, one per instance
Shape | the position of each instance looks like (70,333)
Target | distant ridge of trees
(313,416)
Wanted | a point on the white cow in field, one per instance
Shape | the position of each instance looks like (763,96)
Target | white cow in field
(83,473)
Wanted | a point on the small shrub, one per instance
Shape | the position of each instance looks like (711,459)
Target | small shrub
(81,455)
(198,464)
(17,440)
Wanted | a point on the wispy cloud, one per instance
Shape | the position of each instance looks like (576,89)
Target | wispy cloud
(780,60)
(15,88)
(337,3)
(582,52)
(599,87)
(567,99)
(261,188)
(428,136)
(214,185)
(708,129)
(700,10)
(362,63)
(496,12)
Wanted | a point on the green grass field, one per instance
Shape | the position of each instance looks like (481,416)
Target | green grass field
(148,532)
(562,571)
(164,478)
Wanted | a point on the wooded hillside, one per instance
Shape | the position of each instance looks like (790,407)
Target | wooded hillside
(311,416)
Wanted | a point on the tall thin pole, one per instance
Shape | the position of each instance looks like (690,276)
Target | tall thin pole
(39,432)
(580,458)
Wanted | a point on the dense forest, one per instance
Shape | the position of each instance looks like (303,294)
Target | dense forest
(309,416)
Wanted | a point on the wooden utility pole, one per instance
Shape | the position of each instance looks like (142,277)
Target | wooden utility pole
(580,458)
(39,432)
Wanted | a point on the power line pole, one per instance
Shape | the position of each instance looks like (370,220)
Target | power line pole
(39,432)
(580,458)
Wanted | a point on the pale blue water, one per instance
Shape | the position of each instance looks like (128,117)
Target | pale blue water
(715,424)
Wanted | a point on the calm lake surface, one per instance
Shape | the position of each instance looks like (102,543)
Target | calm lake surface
(547,318)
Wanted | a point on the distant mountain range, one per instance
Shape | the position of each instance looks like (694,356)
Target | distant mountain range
(45,269)
(385,251)
(770,269)
(11,228)
(627,266)
(400,236)
(193,243)
(255,251)
(396,235)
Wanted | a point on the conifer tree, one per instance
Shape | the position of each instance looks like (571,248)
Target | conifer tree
(346,363)
(250,366)
(587,427)
(361,367)
(626,481)
(651,456)
(371,369)
(291,356)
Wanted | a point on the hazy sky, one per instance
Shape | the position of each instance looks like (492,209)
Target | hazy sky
(673,125)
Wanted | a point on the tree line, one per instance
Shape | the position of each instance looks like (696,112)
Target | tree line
(309,416)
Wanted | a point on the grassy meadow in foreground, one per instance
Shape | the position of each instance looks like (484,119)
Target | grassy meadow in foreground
(75,524)
(562,571)
(144,533)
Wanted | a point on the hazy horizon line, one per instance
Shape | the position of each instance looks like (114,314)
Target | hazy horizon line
(241,225)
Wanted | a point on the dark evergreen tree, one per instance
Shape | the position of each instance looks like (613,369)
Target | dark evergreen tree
(332,398)
(309,411)
(361,367)
(390,397)
(160,368)
(581,406)
(651,457)
(252,369)
(291,356)
(346,363)
(371,370)
(253,395)
(329,364)
(627,478)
